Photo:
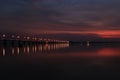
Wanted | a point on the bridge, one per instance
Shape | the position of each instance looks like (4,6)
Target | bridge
(27,40)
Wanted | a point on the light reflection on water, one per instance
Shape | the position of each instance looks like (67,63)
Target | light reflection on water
(3,51)
(13,51)
(74,50)
(18,50)
(32,49)
(28,49)
(75,61)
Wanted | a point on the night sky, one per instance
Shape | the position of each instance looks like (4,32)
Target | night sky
(64,19)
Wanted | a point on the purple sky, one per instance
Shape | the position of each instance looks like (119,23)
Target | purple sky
(88,18)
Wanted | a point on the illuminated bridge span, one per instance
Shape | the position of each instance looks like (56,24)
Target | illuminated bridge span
(23,40)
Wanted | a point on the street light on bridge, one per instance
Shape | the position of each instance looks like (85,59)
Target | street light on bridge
(28,38)
(18,37)
(3,35)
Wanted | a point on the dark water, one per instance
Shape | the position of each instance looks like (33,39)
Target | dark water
(60,62)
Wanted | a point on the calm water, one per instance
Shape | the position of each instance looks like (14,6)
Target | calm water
(60,62)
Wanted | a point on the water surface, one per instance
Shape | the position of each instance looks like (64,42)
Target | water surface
(60,61)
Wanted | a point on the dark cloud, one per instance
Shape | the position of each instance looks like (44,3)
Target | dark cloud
(59,15)
(32,15)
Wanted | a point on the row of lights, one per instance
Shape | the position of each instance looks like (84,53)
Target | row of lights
(13,36)
(34,39)
(33,49)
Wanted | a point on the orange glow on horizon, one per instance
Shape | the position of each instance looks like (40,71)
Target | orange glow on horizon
(100,33)
(109,34)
